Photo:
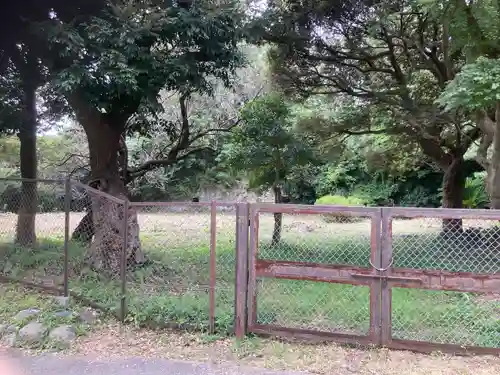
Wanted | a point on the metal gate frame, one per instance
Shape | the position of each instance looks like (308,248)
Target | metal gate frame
(425,279)
(381,277)
(353,275)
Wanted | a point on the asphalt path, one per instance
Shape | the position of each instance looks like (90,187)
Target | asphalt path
(54,365)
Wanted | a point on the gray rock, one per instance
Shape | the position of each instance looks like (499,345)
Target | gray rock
(25,314)
(8,267)
(32,332)
(88,315)
(6,329)
(9,340)
(63,314)
(62,301)
(63,334)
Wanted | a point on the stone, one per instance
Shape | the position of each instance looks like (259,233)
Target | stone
(25,314)
(6,329)
(8,267)
(88,315)
(32,333)
(63,314)
(62,301)
(63,334)
(9,340)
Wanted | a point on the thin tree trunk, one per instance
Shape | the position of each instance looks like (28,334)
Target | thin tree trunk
(453,192)
(278,217)
(25,230)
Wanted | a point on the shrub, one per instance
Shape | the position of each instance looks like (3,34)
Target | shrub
(475,195)
(339,200)
(376,193)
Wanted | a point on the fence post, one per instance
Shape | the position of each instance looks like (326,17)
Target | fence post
(213,265)
(386,262)
(241,285)
(67,209)
(123,263)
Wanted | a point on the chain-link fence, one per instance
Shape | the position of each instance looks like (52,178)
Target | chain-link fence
(438,246)
(173,286)
(455,245)
(32,229)
(390,274)
(332,238)
(335,237)
(97,227)
(401,277)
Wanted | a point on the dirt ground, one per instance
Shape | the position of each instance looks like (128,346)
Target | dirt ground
(331,359)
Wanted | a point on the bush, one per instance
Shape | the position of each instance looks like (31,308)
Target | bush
(376,193)
(339,200)
(475,195)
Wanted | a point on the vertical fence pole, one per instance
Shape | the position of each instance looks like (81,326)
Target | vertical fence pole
(123,263)
(241,287)
(376,284)
(386,262)
(67,209)
(213,239)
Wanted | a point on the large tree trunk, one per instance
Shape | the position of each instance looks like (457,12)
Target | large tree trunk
(85,230)
(493,178)
(108,217)
(25,231)
(490,139)
(453,192)
(278,217)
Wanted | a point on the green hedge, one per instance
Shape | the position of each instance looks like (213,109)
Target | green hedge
(339,200)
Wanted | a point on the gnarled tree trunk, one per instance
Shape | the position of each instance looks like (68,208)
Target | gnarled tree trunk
(491,138)
(25,230)
(85,230)
(108,216)
(453,191)
(493,178)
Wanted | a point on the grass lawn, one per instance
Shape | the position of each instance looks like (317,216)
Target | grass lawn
(174,288)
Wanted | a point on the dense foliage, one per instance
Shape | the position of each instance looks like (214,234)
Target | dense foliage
(321,117)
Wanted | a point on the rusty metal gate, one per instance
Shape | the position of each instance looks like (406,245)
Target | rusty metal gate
(382,267)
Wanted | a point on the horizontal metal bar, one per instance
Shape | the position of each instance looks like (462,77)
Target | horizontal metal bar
(170,204)
(314,209)
(98,193)
(311,272)
(309,335)
(445,280)
(431,347)
(397,277)
(41,180)
(442,213)
(388,278)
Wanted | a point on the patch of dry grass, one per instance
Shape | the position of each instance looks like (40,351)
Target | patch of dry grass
(186,225)
(124,342)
